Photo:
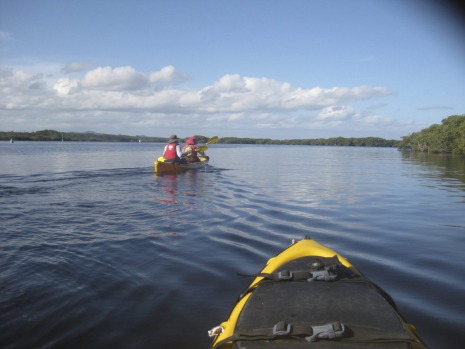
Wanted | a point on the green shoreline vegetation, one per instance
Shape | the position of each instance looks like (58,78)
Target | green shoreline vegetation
(446,138)
(449,137)
(52,135)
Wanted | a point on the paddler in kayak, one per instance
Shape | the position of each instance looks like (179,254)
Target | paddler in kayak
(172,152)
(190,150)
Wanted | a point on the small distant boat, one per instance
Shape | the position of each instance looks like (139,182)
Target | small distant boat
(12,140)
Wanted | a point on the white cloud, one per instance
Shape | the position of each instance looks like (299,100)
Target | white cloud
(117,79)
(229,83)
(109,88)
(65,86)
(129,97)
(347,114)
(167,76)
(336,113)
(249,93)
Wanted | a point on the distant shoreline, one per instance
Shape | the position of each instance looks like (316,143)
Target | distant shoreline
(57,136)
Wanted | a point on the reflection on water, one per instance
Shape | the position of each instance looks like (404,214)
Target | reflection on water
(444,167)
(169,184)
(443,172)
(98,251)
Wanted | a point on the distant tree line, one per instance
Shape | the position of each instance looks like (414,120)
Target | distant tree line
(338,141)
(51,135)
(449,137)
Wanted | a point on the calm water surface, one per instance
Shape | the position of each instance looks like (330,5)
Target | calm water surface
(96,251)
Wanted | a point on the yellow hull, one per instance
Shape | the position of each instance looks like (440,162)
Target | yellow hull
(166,167)
(224,335)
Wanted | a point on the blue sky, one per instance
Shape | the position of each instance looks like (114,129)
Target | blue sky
(244,68)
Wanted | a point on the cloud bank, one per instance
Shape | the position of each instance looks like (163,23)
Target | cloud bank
(124,99)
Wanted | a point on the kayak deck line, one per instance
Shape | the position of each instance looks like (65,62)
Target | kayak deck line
(310,293)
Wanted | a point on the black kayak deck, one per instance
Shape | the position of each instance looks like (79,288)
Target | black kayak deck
(369,315)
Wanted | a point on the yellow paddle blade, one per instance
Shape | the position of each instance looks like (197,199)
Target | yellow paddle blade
(213,140)
(202,148)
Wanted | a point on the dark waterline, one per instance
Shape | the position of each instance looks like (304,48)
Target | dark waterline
(99,252)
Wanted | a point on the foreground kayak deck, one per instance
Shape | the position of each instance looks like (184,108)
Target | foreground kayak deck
(309,296)
(167,167)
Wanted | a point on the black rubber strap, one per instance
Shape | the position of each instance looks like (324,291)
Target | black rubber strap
(285,330)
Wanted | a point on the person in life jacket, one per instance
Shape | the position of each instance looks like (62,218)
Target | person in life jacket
(190,149)
(172,152)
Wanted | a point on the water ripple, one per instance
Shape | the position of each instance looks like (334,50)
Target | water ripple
(103,253)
